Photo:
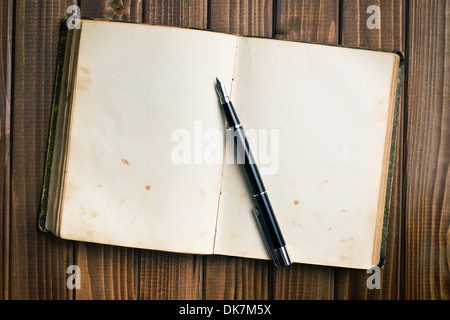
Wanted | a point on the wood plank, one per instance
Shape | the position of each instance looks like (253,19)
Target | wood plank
(235,278)
(307,20)
(352,284)
(355,31)
(38,261)
(165,275)
(230,277)
(189,14)
(427,199)
(247,18)
(303,282)
(108,272)
(6,17)
(116,10)
(310,21)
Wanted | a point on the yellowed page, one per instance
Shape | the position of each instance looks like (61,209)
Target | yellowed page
(330,107)
(137,87)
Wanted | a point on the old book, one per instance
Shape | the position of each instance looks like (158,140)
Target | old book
(138,152)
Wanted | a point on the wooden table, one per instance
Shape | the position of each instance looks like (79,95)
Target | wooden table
(34,265)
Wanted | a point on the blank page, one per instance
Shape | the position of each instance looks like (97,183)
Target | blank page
(325,114)
(138,89)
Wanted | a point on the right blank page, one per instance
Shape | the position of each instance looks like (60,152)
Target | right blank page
(319,122)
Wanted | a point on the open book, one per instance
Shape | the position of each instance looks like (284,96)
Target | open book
(139,156)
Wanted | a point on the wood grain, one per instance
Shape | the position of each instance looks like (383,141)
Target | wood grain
(247,18)
(355,31)
(352,284)
(165,275)
(106,272)
(38,261)
(426,244)
(6,27)
(192,14)
(115,10)
(236,278)
(303,282)
(307,20)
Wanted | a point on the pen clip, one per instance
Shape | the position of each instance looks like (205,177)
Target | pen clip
(265,235)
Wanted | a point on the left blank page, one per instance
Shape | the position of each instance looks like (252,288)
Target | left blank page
(142,92)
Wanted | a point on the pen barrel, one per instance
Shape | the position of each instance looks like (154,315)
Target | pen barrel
(230,114)
(274,236)
(244,154)
(264,213)
(245,157)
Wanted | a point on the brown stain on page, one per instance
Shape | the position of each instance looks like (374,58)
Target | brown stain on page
(345,241)
(148,187)
(125,161)
(84,80)
(296,202)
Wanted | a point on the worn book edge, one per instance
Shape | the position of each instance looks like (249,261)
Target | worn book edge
(52,132)
(395,128)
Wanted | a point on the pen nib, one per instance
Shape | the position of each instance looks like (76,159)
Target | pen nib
(221,92)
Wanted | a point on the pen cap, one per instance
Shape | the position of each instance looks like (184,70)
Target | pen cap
(279,256)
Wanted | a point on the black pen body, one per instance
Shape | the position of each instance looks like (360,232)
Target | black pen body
(245,158)
(264,215)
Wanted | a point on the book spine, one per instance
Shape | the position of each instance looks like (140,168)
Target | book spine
(52,131)
(395,129)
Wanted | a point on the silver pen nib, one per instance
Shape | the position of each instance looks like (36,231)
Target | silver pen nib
(221,92)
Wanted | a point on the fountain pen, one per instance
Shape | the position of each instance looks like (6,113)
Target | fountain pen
(264,214)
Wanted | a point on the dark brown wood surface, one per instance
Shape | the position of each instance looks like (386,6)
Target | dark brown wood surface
(33,265)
